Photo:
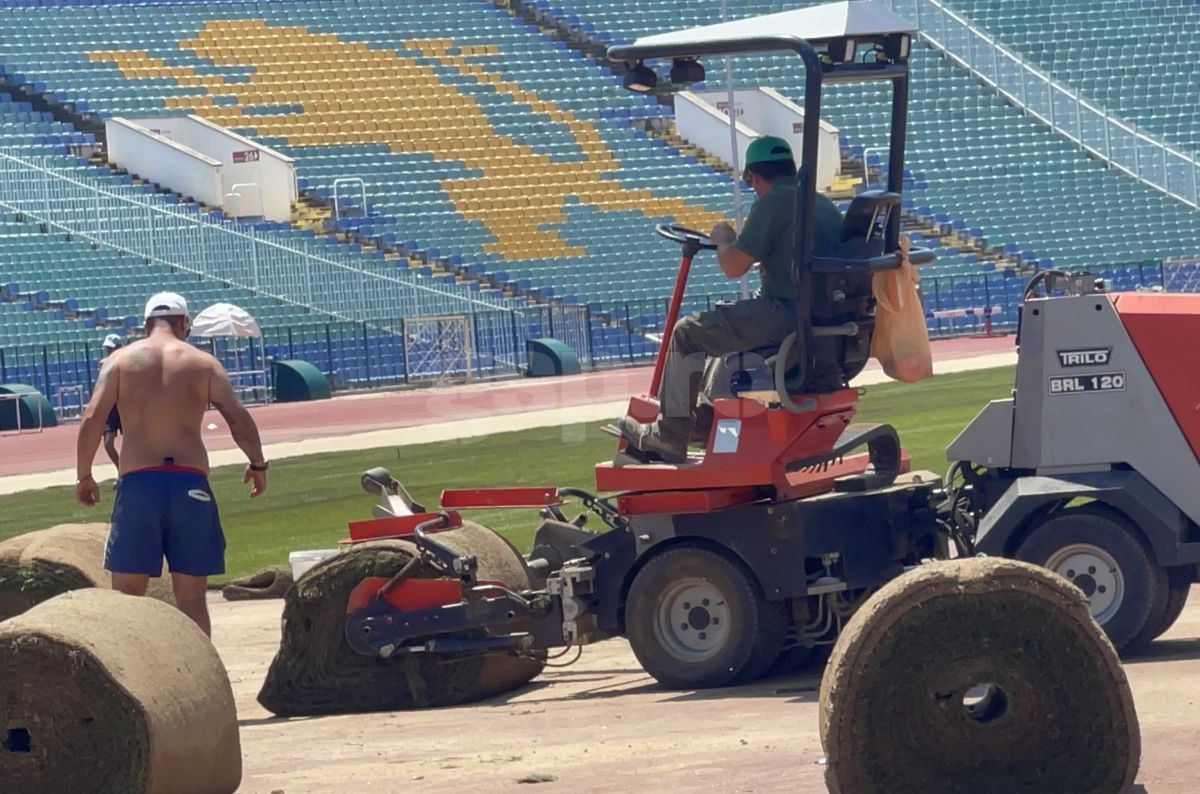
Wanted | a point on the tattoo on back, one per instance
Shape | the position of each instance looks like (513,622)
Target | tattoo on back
(138,359)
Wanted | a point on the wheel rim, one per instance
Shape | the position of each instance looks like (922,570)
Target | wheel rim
(1094,571)
(692,622)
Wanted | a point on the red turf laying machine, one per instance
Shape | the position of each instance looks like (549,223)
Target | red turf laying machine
(767,539)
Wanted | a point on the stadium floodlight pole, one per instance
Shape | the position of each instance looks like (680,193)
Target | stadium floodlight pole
(733,148)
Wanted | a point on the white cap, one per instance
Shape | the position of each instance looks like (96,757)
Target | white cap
(112,341)
(166,304)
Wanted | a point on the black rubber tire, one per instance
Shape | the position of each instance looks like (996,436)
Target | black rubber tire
(1130,627)
(757,628)
(1179,581)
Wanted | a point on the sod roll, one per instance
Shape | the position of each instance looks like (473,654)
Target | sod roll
(316,671)
(103,692)
(270,582)
(39,565)
(980,675)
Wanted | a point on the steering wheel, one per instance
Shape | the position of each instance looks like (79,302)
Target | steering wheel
(685,236)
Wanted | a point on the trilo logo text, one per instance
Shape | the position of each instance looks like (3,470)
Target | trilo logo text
(1085,358)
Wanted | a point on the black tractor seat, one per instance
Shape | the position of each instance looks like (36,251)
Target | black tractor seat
(842,316)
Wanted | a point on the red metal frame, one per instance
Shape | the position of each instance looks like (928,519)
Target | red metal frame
(410,593)
(769,439)
(797,485)
(680,502)
(395,526)
(660,361)
(470,498)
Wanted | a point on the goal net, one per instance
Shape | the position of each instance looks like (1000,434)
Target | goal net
(438,349)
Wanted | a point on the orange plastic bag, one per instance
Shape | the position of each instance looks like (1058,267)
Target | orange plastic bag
(901,340)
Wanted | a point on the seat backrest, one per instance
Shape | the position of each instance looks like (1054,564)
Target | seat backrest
(845,297)
(864,224)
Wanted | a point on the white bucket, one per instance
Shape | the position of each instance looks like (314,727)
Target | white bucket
(301,561)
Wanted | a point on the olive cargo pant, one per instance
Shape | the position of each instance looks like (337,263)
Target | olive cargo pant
(746,324)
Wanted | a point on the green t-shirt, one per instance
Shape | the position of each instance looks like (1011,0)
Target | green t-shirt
(769,235)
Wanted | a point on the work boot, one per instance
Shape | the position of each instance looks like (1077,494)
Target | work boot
(671,447)
(701,425)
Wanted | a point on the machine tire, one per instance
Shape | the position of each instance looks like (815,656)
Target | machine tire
(1139,586)
(1179,581)
(755,628)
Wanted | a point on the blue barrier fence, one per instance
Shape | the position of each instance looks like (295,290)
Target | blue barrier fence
(491,344)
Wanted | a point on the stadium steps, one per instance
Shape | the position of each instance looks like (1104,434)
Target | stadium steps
(956,240)
(666,131)
(39,301)
(584,39)
(310,212)
(417,260)
(58,105)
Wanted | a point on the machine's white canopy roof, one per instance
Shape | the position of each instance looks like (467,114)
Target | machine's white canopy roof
(852,18)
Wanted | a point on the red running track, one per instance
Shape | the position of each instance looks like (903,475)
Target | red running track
(54,448)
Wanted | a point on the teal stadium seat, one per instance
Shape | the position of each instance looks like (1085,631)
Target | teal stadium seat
(972,159)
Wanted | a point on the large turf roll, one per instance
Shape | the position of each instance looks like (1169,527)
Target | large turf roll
(270,582)
(979,675)
(39,565)
(316,671)
(102,692)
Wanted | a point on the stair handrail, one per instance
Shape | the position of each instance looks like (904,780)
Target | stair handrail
(1118,143)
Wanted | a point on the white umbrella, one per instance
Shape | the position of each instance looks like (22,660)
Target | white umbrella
(224,319)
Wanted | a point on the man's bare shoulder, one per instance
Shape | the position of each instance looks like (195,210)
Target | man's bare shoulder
(205,359)
(200,362)
(116,360)
(182,352)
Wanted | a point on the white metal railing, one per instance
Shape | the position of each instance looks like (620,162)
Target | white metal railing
(1120,144)
(326,276)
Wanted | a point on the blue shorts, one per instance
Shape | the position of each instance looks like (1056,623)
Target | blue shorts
(165,511)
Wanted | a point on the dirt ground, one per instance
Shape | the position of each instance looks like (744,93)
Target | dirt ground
(602,725)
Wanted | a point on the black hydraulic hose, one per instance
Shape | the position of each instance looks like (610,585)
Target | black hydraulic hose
(956,525)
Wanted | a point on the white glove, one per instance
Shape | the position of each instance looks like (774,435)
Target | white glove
(722,235)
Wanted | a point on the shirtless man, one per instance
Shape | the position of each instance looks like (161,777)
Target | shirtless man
(162,386)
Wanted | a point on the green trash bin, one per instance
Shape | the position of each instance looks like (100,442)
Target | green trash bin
(550,357)
(299,381)
(30,406)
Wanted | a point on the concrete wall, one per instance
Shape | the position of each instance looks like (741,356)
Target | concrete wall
(159,159)
(255,180)
(702,118)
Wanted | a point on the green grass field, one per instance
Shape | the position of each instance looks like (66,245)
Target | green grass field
(311,498)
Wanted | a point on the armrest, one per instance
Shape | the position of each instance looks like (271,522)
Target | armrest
(826,264)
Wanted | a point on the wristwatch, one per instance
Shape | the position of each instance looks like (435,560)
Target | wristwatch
(260,466)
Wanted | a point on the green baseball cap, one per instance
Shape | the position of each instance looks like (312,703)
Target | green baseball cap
(768,149)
